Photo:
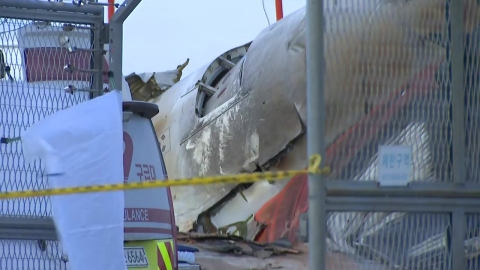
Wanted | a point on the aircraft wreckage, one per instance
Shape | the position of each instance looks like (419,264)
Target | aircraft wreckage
(246,112)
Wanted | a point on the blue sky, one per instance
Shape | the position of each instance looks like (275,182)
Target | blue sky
(161,34)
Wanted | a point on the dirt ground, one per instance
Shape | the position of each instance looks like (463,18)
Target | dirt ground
(335,261)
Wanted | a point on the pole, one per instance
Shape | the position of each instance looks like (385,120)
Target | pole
(116,40)
(116,54)
(457,88)
(279,9)
(124,10)
(111,9)
(317,230)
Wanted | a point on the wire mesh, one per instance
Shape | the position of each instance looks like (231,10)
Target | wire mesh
(38,60)
(389,82)
(35,54)
(32,255)
(386,68)
(472,96)
(389,241)
(472,241)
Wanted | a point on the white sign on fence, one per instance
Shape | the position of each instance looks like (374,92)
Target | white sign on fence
(394,165)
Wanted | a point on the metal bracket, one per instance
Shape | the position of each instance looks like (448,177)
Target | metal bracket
(204,91)
(105,34)
(226,63)
(127,116)
(303,227)
(42,244)
(206,88)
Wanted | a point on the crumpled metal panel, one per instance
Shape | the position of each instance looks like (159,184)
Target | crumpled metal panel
(237,136)
(148,85)
(263,105)
(240,133)
(275,63)
(357,39)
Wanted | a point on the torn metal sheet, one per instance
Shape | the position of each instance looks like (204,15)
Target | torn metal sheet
(148,85)
(254,228)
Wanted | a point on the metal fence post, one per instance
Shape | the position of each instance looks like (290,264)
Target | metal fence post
(457,89)
(457,247)
(116,39)
(98,57)
(315,133)
(116,57)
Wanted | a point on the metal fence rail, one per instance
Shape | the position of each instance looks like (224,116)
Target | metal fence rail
(412,80)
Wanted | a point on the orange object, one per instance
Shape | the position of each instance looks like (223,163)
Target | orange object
(281,214)
(279,9)
(111,9)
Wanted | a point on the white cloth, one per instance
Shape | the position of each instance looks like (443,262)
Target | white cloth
(185,256)
(83,145)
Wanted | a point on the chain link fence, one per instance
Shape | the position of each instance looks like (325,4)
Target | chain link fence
(385,240)
(402,68)
(32,255)
(46,64)
(32,89)
(393,79)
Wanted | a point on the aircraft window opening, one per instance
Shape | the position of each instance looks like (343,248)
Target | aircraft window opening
(207,90)
(220,77)
(216,76)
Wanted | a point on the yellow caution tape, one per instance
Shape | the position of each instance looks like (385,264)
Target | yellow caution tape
(313,168)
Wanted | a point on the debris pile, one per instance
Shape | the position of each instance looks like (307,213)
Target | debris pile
(232,244)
